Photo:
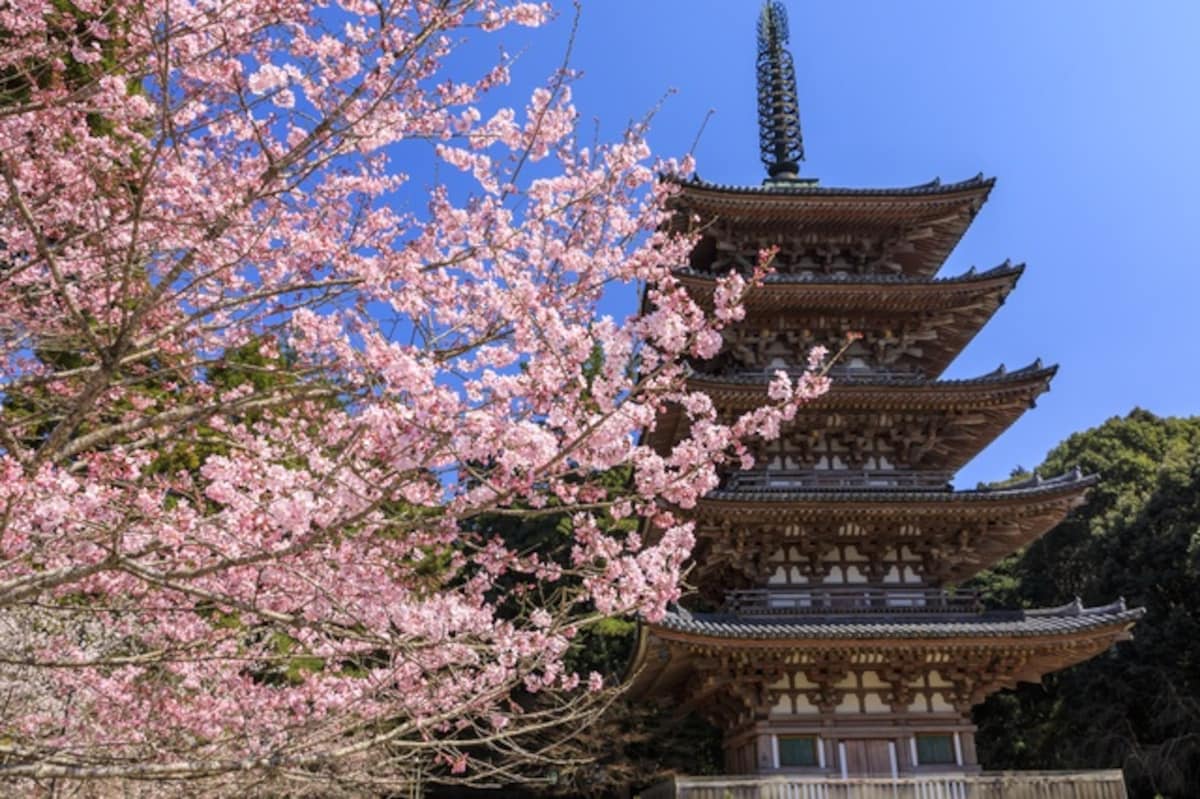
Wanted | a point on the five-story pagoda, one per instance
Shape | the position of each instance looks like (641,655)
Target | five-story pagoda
(840,647)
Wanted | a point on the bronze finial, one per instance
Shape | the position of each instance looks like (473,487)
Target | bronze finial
(779,137)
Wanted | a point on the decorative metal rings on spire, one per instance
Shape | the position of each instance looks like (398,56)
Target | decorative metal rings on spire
(779,138)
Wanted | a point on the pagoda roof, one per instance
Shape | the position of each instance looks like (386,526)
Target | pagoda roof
(942,314)
(932,216)
(705,661)
(957,533)
(974,410)
(1069,619)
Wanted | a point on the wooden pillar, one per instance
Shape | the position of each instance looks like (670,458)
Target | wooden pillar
(764,753)
(970,756)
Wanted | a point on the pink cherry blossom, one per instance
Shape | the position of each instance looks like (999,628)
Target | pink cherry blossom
(259,419)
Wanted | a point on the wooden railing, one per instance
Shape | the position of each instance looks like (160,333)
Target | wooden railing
(799,480)
(848,373)
(820,600)
(998,785)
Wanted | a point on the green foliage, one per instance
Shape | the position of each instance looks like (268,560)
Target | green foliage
(70,30)
(604,646)
(1138,536)
(190,447)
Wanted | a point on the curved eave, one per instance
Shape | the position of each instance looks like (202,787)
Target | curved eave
(944,314)
(1109,621)
(867,293)
(870,393)
(997,522)
(1025,496)
(975,411)
(1049,640)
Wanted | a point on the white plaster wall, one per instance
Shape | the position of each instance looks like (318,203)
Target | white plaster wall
(938,704)
(873,703)
(870,679)
(804,707)
(852,554)
(849,704)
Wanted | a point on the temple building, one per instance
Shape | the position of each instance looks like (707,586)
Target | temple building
(836,645)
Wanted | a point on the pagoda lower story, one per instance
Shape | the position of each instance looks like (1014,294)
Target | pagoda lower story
(801,689)
(831,653)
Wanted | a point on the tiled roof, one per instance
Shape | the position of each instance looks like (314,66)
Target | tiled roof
(809,188)
(972,275)
(816,278)
(1072,618)
(1034,487)
(868,379)
(998,375)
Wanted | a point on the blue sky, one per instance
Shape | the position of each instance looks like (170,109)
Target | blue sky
(1088,114)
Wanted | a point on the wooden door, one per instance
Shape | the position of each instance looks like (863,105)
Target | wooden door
(868,757)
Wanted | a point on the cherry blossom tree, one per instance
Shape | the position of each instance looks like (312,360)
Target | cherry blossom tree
(254,418)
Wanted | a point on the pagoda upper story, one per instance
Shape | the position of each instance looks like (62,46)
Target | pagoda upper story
(860,261)
(844,259)
(864,261)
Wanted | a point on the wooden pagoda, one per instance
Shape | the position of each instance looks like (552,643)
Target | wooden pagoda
(839,646)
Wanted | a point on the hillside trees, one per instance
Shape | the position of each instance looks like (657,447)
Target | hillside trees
(257,424)
(1138,536)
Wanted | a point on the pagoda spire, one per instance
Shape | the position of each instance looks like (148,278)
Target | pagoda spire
(780,142)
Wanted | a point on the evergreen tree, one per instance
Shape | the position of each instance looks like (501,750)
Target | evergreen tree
(1138,536)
